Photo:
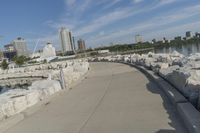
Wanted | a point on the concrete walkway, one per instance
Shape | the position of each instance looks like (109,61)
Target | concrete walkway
(114,98)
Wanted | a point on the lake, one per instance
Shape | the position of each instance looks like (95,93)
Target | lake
(185,49)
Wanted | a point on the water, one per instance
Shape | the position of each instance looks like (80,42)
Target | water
(185,49)
(4,89)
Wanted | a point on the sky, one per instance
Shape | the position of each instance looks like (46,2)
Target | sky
(98,22)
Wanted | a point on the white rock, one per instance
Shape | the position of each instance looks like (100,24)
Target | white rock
(46,87)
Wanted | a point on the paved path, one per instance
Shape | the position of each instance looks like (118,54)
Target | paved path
(114,98)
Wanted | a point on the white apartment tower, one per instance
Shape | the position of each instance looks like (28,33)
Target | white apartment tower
(138,39)
(66,40)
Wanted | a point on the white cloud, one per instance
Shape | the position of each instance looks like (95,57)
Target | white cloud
(70,2)
(104,20)
(164,2)
(99,21)
(109,5)
(137,1)
(63,23)
(161,3)
(119,15)
(151,28)
(84,6)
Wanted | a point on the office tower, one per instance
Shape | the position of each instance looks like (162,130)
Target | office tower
(81,45)
(9,51)
(153,41)
(74,44)
(178,38)
(66,40)
(138,39)
(9,47)
(188,35)
(164,40)
(197,34)
(20,46)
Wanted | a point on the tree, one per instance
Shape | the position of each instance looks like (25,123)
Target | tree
(4,65)
(45,61)
(19,60)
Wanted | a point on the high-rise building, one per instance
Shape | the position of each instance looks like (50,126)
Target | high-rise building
(66,40)
(73,43)
(9,47)
(153,41)
(138,39)
(81,45)
(188,35)
(9,51)
(178,38)
(197,34)
(20,46)
(164,40)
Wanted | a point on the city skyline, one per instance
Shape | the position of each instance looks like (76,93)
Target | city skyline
(115,21)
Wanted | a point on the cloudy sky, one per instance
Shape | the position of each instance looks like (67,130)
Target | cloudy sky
(99,22)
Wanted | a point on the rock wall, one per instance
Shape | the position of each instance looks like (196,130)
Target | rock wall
(16,100)
(183,72)
(28,73)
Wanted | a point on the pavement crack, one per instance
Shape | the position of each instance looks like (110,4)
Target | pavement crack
(98,104)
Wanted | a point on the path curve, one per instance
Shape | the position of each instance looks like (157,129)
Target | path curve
(113,98)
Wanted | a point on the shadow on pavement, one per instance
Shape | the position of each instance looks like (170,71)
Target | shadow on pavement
(173,116)
(171,111)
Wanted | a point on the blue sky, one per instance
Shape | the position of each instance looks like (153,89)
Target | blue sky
(99,22)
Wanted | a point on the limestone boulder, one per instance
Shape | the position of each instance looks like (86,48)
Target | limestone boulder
(194,57)
(156,66)
(46,87)
(148,62)
(164,72)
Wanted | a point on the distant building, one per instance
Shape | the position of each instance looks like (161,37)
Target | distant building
(73,43)
(154,41)
(178,38)
(9,47)
(9,54)
(48,51)
(20,47)
(106,51)
(164,40)
(66,40)
(9,51)
(197,34)
(81,45)
(188,35)
(36,54)
(138,39)
(59,53)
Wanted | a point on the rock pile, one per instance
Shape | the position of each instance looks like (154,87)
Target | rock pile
(29,73)
(181,71)
(14,101)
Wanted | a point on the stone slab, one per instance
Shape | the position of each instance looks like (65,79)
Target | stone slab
(190,116)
